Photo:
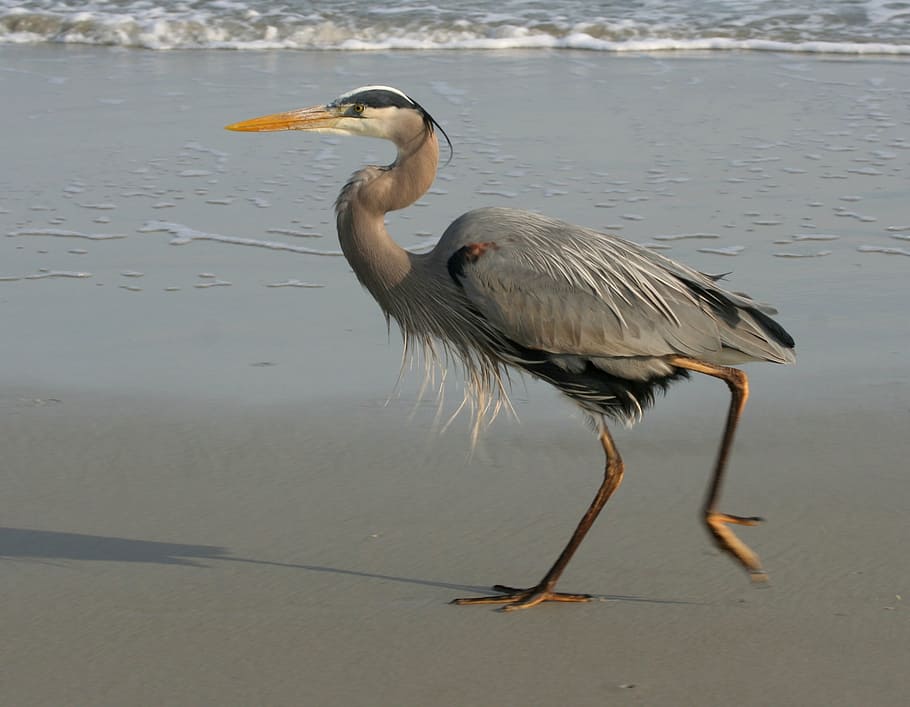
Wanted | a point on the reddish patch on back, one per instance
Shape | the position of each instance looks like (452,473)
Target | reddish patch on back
(473,251)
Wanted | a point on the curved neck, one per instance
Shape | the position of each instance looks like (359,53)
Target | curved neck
(378,261)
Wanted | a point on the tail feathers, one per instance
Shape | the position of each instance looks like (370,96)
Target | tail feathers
(749,329)
(771,327)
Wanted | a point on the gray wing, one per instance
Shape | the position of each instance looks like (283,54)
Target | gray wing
(572,292)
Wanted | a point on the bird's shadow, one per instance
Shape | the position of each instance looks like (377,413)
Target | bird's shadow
(51,546)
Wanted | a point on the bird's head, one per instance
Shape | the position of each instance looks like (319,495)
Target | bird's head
(371,111)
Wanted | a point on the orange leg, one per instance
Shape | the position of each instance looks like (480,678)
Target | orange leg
(717,522)
(526,598)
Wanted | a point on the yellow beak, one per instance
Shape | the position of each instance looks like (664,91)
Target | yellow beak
(315,118)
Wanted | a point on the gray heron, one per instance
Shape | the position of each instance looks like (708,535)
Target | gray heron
(608,322)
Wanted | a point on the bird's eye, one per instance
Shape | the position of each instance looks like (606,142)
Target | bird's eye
(357,108)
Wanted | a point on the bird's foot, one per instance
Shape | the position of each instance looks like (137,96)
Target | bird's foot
(515,599)
(727,541)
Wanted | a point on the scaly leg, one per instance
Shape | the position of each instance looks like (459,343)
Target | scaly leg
(526,598)
(717,522)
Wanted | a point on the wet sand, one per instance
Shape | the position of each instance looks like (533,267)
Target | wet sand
(209,498)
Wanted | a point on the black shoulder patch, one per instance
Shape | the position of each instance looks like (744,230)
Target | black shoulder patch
(456,264)
(469,253)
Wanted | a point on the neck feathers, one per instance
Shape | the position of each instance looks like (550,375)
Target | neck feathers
(379,263)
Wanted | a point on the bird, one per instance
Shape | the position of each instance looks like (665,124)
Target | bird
(607,322)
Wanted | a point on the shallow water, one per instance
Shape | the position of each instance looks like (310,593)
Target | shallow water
(740,168)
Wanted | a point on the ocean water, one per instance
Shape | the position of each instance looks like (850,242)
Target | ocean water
(880,27)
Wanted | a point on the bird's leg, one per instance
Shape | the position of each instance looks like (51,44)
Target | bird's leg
(526,598)
(717,522)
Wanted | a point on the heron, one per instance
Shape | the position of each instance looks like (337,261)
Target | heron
(606,321)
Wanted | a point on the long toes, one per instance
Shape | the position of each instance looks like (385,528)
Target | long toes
(539,597)
(535,597)
(727,541)
(514,599)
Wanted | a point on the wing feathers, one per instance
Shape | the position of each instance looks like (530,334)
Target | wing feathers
(566,290)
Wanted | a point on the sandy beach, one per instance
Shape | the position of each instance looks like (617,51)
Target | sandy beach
(214,493)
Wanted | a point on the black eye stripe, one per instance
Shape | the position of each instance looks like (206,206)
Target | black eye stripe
(378,98)
(382,97)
